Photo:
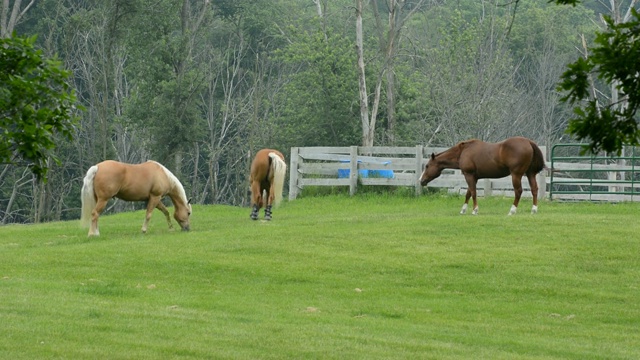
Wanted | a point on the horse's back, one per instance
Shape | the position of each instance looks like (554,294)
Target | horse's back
(131,182)
(496,160)
(109,177)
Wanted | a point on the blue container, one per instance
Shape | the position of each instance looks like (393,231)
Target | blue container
(344,173)
(387,174)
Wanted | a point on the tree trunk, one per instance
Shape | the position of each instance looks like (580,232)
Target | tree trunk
(391,105)
(17,185)
(367,138)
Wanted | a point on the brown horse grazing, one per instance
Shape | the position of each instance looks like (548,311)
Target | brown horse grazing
(149,181)
(267,175)
(516,156)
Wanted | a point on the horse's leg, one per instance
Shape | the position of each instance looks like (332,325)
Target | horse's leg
(95,214)
(517,189)
(533,184)
(256,199)
(471,193)
(151,204)
(269,202)
(474,193)
(466,202)
(164,210)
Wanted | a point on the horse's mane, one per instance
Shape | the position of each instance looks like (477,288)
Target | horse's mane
(175,183)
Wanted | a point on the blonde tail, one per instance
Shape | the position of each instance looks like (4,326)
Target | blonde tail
(279,168)
(87,196)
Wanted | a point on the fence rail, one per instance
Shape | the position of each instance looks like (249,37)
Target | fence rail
(389,166)
(594,177)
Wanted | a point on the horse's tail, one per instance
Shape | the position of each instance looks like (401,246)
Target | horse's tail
(279,168)
(537,163)
(87,196)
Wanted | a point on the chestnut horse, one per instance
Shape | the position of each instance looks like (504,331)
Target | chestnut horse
(516,156)
(149,181)
(267,177)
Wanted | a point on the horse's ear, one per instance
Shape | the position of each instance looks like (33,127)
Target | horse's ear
(189,201)
(433,156)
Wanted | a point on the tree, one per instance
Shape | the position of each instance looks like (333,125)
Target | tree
(9,19)
(399,11)
(388,43)
(614,60)
(543,39)
(470,79)
(36,104)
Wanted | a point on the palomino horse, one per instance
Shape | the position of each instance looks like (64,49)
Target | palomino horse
(149,181)
(267,175)
(516,156)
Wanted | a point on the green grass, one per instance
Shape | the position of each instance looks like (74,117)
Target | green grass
(368,277)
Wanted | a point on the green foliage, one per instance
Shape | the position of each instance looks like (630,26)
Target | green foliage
(320,98)
(367,277)
(37,104)
(538,26)
(470,74)
(566,2)
(615,60)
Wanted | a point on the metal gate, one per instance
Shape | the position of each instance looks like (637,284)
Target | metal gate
(575,176)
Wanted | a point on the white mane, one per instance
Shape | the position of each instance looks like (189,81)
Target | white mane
(175,183)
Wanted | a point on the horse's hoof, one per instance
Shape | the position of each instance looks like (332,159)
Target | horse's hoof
(475,211)
(267,217)
(254,216)
(534,210)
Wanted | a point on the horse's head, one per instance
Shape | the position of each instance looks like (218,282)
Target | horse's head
(182,215)
(432,170)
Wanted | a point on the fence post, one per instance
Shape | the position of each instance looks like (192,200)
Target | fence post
(542,185)
(353,171)
(419,152)
(541,177)
(293,174)
(488,188)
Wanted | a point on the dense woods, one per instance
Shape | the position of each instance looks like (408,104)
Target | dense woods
(201,85)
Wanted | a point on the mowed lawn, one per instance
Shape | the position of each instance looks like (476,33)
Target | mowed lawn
(367,277)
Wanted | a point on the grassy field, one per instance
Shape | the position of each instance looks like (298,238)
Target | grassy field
(368,277)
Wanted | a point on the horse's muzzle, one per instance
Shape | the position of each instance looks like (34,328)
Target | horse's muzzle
(186,228)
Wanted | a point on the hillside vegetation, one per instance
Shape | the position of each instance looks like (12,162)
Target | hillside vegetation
(367,277)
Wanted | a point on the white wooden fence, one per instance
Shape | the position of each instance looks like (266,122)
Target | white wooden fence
(390,166)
